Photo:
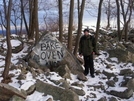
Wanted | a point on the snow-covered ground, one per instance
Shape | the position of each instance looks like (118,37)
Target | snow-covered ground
(98,63)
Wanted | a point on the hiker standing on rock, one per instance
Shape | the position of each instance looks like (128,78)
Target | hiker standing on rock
(87,47)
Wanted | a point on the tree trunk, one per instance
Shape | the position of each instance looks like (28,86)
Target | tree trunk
(108,23)
(70,28)
(60,21)
(2,29)
(79,28)
(31,19)
(9,47)
(23,14)
(108,15)
(78,7)
(21,24)
(98,20)
(36,20)
(118,19)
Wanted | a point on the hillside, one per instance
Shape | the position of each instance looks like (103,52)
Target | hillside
(114,75)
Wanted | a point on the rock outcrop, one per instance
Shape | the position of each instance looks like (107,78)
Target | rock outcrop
(57,93)
(7,91)
(49,52)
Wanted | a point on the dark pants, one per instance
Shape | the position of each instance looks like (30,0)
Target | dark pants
(89,64)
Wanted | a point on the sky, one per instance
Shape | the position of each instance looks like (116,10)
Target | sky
(88,19)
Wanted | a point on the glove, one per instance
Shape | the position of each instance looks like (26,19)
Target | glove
(97,53)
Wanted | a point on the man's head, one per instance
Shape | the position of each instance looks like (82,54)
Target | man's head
(86,31)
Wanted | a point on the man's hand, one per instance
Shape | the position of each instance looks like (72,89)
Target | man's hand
(94,53)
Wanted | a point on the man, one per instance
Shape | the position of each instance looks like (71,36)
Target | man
(87,47)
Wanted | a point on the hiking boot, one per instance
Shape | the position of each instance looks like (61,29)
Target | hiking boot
(85,73)
(92,76)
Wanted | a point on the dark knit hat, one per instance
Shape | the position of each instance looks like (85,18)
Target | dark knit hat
(86,30)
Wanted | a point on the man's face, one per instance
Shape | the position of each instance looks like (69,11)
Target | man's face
(86,33)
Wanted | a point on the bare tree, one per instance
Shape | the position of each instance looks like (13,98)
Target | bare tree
(98,20)
(23,15)
(70,28)
(118,19)
(109,10)
(7,12)
(60,20)
(126,15)
(31,19)
(78,7)
(79,27)
(36,20)
(15,16)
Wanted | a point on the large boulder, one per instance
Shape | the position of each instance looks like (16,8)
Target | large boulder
(7,91)
(130,84)
(109,75)
(17,47)
(16,98)
(80,92)
(118,53)
(49,52)
(64,71)
(126,72)
(57,92)
(122,94)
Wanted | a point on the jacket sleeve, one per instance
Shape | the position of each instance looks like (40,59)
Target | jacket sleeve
(94,46)
(80,47)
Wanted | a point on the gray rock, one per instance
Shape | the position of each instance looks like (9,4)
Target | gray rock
(65,84)
(109,75)
(108,66)
(64,71)
(16,98)
(93,95)
(32,63)
(110,83)
(33,73)
(13,67)
(56,92)
(78,91)
(80,60)
(115,79)
(113,99)
(77,84)
(39,71)
(125,80)
(102,87)
(7,91)
(81,77)
(124,94)
(50,99)
(17,49)
(131,56)
(126,71)
(102,99)
(21,77)
(30,90)
(57,82)
(119,53)
(98,72)
(130,84)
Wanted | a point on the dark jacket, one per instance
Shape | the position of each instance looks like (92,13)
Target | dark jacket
(87,45)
